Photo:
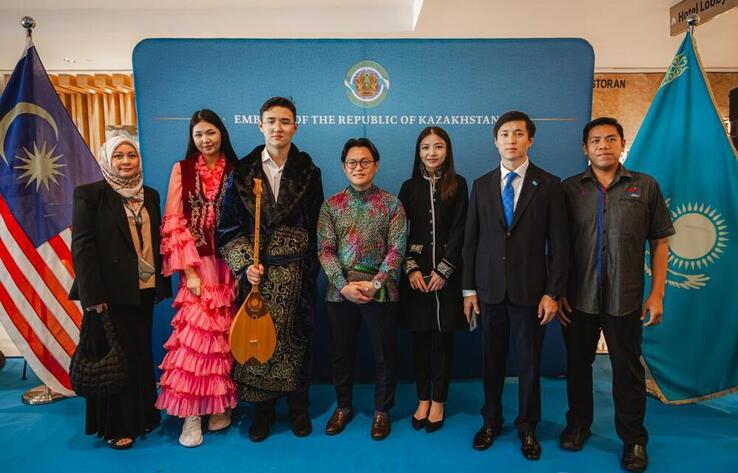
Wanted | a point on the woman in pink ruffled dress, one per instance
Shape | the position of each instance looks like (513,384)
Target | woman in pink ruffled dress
(196,370)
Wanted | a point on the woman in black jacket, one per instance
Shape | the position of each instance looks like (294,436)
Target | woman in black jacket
(115,253)
(435,200)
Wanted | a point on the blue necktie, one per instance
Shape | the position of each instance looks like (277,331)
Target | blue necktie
(508,199)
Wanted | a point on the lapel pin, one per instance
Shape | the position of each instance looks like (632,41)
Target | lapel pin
(534,182)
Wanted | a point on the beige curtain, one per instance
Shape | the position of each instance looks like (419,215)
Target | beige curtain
(95,101)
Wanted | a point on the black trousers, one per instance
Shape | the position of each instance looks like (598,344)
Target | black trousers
(433,354)
(381,321)
(130,412)
(623,336)
(499,322)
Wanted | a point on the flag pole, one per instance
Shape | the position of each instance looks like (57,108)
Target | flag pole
(28,24)
(40,394)
(692,21)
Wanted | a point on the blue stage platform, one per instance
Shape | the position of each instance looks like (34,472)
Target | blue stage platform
(699,438)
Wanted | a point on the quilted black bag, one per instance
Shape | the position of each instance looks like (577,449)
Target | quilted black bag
(97,376)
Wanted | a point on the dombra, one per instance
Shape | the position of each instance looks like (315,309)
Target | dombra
(252,337)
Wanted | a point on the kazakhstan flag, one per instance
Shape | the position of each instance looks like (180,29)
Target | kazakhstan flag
(693,354)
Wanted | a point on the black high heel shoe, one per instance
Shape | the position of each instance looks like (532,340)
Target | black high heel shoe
(433,426)
(418,423)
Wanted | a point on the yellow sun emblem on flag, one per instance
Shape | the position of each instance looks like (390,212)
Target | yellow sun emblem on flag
(701,236)
(700,240)
(40,166)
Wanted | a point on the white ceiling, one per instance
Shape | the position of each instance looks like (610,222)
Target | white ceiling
(627,35)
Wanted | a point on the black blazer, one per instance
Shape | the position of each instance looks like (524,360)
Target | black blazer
(104,258)
(530,259)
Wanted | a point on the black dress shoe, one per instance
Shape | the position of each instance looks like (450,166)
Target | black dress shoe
(433,426)
(634,458)
(485,437)
(418,423)
(572,438)
(529,445)
(380,426)
(338,421)
(259,429)
(301,425)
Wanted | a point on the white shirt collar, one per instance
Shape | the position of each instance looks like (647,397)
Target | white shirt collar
(267,159)
(520,171)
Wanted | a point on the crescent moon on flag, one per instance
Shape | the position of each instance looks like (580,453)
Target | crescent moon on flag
(19,109)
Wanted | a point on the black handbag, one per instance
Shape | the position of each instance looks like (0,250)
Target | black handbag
(97,376)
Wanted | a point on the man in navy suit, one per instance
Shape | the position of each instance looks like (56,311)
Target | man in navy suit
(515,268)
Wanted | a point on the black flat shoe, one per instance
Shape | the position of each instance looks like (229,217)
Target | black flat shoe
(634,458)
(485,437)
(301,424)
(529,445)
(433,426)
(418,423)
(116,445)
(261,426)
(572,438)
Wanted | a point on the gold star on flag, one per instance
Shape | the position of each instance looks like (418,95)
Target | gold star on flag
(40,166)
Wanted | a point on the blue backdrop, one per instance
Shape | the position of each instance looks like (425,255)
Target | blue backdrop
(460,85)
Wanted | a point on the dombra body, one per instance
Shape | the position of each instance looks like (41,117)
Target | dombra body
(252,337)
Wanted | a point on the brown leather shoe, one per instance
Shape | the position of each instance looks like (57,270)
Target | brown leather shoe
(338,421)
(529,445)
(381,426)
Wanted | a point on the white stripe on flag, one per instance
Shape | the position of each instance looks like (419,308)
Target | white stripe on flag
(65,279)
(55,264)
(29,315)
(66,235)
(41,290)
(37,367)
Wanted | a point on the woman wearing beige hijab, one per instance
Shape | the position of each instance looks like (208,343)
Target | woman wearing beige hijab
(115,253)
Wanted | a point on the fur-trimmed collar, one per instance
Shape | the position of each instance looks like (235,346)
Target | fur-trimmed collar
(299,171)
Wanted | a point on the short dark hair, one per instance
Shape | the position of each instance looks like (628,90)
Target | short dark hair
(211,117)
(359,143)
(514,115)
(278,102)
(602,121)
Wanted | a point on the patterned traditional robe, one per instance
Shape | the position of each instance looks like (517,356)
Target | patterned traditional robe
(289,255)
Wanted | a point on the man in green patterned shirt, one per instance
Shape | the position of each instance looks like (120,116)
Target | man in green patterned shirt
(362,233)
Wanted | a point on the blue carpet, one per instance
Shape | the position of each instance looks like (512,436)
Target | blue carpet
(696,438)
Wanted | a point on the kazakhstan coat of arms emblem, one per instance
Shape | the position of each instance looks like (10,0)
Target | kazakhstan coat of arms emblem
(367,84)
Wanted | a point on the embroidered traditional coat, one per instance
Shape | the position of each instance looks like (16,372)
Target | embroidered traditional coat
(289,255)
(434,244)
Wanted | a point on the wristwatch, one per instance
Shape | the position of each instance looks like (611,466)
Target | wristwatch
(376,285)
(555,298)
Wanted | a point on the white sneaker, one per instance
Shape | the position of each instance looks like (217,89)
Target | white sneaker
(191,432)
(219,421)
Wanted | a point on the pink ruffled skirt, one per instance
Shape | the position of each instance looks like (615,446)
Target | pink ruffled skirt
(196,378)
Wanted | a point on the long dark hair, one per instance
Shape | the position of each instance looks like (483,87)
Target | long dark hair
(211,117)
(448,184)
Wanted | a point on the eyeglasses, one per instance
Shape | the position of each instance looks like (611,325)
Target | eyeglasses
(364,163)
(272,123)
